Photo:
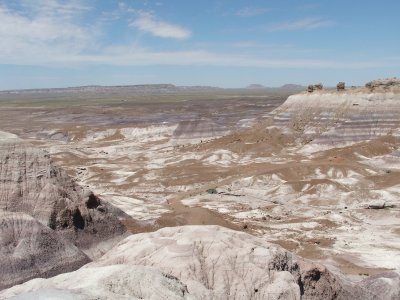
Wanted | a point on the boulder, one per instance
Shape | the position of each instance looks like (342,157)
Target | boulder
(316,87)
(378,204)
(341,86)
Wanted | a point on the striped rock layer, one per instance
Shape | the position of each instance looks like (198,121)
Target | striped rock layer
(341,118)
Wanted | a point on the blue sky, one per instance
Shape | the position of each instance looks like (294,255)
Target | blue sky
(227,43)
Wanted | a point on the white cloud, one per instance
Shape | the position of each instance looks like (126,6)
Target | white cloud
(251,11)
(133,56)
(51,34)
(51,8)
(201,57)
(305,24)
(148,22)
(49,28)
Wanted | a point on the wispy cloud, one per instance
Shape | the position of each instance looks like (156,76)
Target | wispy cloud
(48,27)
(303,24)
(50,8)
(251,11)
(149,23)
(56,35)
(136,56)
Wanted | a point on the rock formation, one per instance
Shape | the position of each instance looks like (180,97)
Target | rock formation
(335,118)
(63,216)
(383,84)
(341,86)
(316,87)
(219,263)
(110,282)
(29,249)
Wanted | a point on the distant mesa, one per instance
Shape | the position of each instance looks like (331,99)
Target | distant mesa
(133,89)
(255,86)
(291,86)
(288,86)
(142,88)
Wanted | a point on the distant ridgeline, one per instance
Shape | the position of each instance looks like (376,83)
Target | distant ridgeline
(143,88)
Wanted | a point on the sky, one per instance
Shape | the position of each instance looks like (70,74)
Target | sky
(225,43)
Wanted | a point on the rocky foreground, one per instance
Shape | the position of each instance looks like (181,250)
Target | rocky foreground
(49,222)
(203,262)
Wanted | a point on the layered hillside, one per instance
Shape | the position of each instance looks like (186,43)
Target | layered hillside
(47,219)
(29,249)
(336,118)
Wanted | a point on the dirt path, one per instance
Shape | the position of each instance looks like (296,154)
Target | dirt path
(185,215)
(180,215)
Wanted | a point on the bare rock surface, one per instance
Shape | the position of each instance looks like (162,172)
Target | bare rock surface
(219,263)
(341,86)
(377,204)
(315,87)
(31,183)
(328,119)
(110,282)
(28,249)
(383,84)
(48,219)
(203,262)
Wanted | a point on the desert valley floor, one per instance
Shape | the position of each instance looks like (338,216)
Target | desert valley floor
(317,174)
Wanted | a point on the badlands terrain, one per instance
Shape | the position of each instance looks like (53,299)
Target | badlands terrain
(164,192)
